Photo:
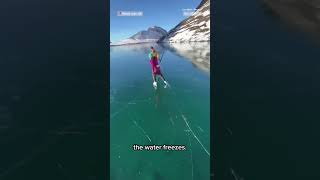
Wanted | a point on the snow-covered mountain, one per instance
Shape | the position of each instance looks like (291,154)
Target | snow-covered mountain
(152,34)
(193,29)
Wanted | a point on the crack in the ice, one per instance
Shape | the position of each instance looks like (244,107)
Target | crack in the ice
(144,132)
(200,129)
(115,147)
(229,130)
(116,113)
(63,170)
(171,121)
(132,102)
(185,120)
(235,175)
(190,154)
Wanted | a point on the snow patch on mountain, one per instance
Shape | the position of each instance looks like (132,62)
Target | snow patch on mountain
(193,29)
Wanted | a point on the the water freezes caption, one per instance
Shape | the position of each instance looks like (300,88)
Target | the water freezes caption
(137,147)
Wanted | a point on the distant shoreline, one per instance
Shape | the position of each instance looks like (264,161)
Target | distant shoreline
(156,43)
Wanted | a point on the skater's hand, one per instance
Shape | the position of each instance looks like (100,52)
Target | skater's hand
(158,66)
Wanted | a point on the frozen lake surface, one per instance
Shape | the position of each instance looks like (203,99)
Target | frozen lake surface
(179,115)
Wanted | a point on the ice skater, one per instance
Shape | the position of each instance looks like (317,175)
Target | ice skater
(154,61)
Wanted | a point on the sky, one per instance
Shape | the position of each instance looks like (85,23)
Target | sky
(163,13)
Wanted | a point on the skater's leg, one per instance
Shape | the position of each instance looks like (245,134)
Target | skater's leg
(154,77)
(154,81)
(164,80)
(162,77)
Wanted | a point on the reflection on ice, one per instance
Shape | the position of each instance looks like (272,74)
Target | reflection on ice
(196,52)
(144,47)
